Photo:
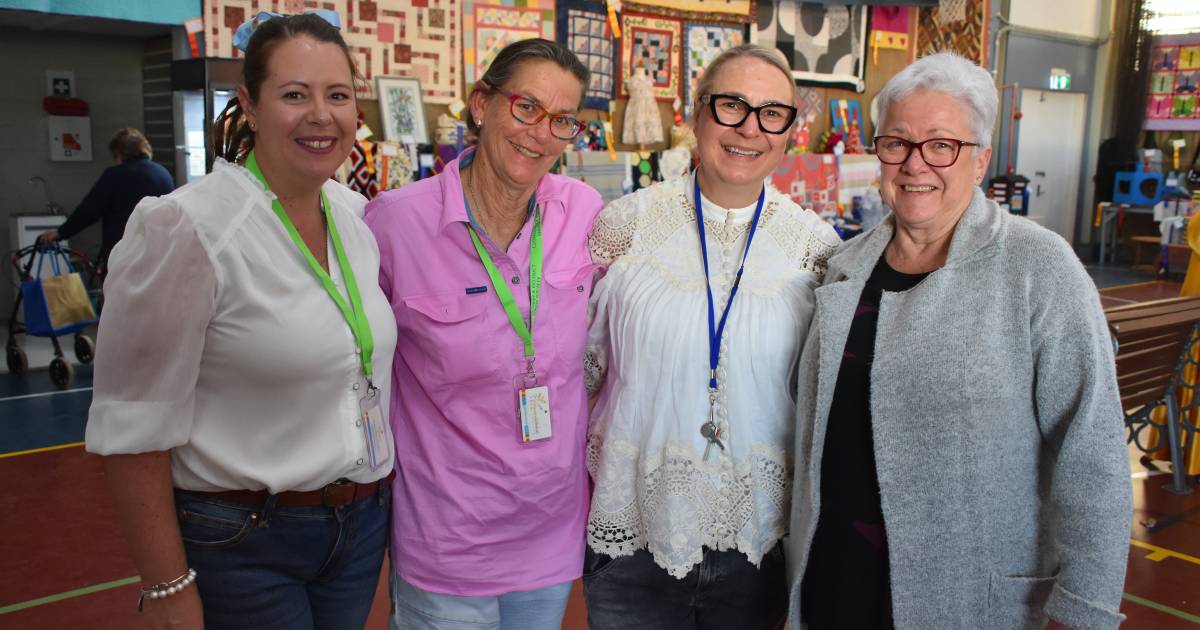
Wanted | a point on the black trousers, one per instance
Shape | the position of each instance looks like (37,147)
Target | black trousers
(724,591)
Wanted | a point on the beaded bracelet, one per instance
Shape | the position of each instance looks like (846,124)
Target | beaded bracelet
(166,589)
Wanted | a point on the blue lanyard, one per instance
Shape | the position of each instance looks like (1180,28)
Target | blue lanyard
(715,332)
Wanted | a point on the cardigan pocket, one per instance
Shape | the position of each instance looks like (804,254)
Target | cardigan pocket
(1016,602)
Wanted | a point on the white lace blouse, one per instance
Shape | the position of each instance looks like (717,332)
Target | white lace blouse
(647,356)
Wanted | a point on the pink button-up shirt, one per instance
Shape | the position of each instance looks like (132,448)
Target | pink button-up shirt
(476,511)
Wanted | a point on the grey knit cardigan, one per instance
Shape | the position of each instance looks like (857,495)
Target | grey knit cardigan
(998,431)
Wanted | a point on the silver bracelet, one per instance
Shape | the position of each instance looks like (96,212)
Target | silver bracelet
(166,589)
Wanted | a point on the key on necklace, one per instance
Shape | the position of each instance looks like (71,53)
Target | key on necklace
(711,433)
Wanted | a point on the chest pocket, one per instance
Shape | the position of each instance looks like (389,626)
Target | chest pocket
(449,336)
(568,292)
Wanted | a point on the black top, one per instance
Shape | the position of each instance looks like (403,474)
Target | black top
(846,580)
(113,198)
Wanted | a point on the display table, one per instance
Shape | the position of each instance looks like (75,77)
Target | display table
(1108,230)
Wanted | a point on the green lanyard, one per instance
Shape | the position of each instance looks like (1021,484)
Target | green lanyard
(353,312)
(506,296)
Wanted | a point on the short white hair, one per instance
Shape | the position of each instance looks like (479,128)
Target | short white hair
(952,75)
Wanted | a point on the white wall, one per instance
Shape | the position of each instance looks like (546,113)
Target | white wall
(108,75)
(1074,17)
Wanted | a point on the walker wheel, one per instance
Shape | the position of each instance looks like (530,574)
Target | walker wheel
(18,363)
(85,349)
(61,373)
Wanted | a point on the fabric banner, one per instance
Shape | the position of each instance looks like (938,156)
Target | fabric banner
(583,27)
(1174,84)
(810,179)
(490,25)
(823,44)
(386,38)
(959,26)
(889,30)
(653,42)
(701,45)
(708,11)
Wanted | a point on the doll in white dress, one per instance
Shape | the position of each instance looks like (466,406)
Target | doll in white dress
(642,123)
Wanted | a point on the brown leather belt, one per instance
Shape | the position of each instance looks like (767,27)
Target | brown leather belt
(337,494)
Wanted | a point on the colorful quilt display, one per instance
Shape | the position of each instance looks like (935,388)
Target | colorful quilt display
(810,179)
(1174,84)
(956,26)
(822,43)
(701,45)
(490,25)
(583,27)
(608,174)
(723,11)
(889,30)
(386,37)
(652,42)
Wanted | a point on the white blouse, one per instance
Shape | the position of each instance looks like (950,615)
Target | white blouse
(648,358)
(218,343)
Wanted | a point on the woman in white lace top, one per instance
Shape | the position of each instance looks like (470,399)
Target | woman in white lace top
(691,436)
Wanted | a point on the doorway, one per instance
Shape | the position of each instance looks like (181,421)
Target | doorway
(1050,154)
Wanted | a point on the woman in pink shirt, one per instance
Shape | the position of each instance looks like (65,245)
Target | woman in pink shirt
(488,271)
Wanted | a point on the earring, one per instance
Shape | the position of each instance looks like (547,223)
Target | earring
(253,127)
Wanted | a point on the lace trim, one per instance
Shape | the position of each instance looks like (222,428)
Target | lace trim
(593,371)
(674,504)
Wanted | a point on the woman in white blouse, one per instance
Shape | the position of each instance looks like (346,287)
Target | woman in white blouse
(244,362)
(696,326)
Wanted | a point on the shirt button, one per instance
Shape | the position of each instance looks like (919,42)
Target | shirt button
(579,289)
(516,279)
(358,423)
(354,387)
(360,461)
(359,350)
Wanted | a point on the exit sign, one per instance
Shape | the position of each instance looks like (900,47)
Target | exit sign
(1060,79)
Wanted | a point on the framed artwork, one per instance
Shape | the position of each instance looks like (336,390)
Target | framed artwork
(654,43)
(402,110)
(701,45)
(490,25)
(583,26)
(823,44)
(1174,84)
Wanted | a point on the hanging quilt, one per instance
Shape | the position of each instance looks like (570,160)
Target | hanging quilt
(1174,84)
(654,43)
(823,44)
(583,27)
(701,45)
(386,38)
(723,11)
(810,179)
(889,30)
(490,25)
(958,26)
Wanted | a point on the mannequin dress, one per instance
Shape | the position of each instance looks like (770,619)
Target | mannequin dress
(642,123)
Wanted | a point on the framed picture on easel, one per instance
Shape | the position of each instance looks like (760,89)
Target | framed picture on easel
(402,110)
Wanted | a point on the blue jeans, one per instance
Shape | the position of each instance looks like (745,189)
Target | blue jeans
(293,568)
(417,609)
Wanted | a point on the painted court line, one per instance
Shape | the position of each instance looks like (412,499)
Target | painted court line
(43,394)
(1158,554)
(87,590)
(1161,608)
(40,450)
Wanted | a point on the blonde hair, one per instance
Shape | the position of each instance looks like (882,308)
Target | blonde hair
(755,51)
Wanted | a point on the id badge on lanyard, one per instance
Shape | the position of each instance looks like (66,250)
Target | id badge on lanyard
(379,447)
(532,388)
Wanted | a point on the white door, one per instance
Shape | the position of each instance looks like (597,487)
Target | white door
(1050,154)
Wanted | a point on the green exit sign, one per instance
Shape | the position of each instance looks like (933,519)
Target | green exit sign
(1060,79)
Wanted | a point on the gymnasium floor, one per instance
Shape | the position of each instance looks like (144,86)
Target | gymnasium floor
(63,563)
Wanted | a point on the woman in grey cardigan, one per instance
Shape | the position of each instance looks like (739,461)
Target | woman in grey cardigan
(960,453)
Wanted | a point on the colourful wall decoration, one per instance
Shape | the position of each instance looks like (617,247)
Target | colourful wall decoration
(415,38)
(889,30)
(490,25)
(654,42)
(724,11)
(959,26)
(583,27)
(1174,84)
(822,43)
(701,45)
(810,179)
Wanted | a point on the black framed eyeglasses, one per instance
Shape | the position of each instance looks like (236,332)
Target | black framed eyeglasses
(731,111)
(939,152)
(529,112)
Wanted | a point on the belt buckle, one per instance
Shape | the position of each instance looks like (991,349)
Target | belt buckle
(334,495)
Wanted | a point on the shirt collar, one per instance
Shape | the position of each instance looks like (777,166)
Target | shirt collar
(454,207)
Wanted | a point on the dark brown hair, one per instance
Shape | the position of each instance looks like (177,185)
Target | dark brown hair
(232,137)
(128,144)
(509,60)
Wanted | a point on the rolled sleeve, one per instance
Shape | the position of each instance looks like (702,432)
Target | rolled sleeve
(160,295)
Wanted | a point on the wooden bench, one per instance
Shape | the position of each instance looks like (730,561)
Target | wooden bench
(1153,343)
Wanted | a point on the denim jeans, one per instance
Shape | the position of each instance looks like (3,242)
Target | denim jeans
(417,609)
(723,591)
(293,568)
